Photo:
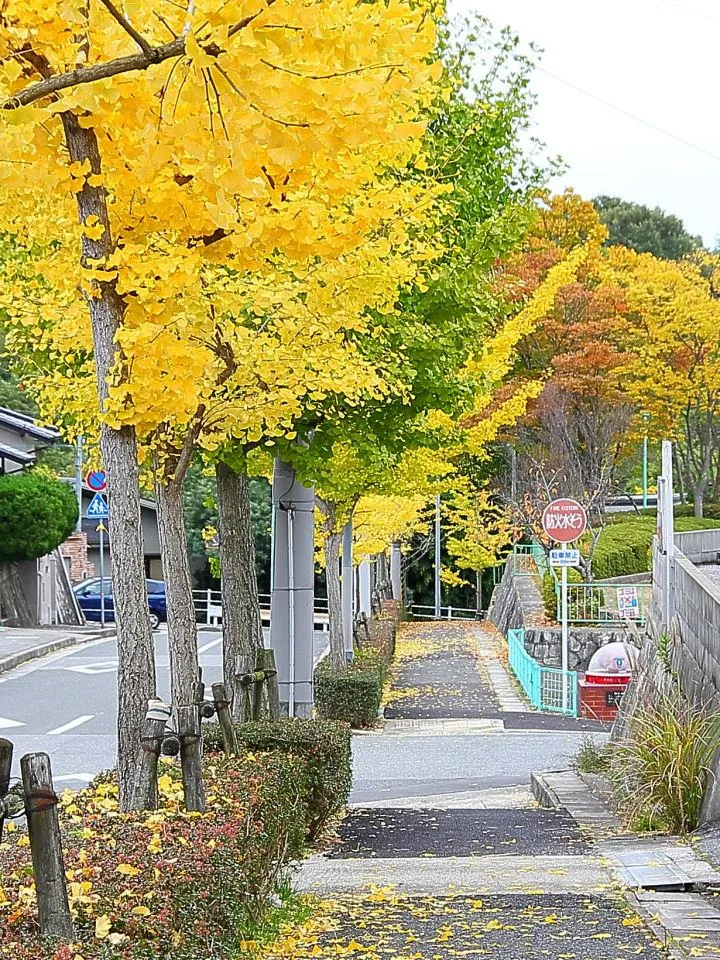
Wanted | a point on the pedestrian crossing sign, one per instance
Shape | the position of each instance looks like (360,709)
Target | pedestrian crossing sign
(97,508)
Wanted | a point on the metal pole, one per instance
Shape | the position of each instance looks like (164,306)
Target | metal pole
(291,613)
(347,591)
(79,480)
(102,574)
(645,472)
(395,568)
(564,621)
(437,558)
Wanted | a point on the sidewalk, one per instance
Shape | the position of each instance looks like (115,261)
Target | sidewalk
(475,868)
(19,645)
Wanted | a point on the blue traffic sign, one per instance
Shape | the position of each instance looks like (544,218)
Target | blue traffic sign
(96,480)
(97,508)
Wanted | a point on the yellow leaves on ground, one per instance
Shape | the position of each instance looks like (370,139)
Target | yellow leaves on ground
(103,925)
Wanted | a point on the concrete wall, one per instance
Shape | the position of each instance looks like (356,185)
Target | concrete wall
(685,653)
(517,604)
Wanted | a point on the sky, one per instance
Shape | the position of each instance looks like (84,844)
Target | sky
(654,59)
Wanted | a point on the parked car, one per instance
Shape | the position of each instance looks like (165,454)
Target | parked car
(88,598)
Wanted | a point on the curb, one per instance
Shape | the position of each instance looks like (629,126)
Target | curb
(543,792)
(44,649)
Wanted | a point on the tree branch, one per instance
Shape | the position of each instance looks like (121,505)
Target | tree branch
(102,71)
(128,28)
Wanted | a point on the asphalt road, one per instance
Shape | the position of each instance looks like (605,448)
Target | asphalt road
(65,704)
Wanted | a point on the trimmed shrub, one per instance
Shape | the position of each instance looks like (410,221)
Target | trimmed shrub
(352,696)
(37,513)
(149,885)
(625,546)
(323,749)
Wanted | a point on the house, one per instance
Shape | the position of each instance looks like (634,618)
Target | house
(20,439)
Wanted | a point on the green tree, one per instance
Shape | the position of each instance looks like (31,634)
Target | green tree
(37,513)
(645,229)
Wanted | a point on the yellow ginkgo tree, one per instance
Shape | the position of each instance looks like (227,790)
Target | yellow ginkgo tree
(139,145)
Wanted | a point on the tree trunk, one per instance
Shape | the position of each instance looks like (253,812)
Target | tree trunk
(242,626)
(14,606)
(136,661)
(332,542)
(182,625)
(478,594)
(698,500)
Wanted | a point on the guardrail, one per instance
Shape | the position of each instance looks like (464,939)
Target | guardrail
(529,560)
(598,603)
(446,613)
(208,609)
(547,688)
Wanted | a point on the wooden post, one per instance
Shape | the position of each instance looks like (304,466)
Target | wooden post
(222,708)
(257,690)
(151,736)
(46,847)
(267,659)
(188,728)
(6,754)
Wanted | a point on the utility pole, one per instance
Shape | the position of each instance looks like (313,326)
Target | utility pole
(347,590)
(79,480)
(395,561)
(438,604)
(292,600)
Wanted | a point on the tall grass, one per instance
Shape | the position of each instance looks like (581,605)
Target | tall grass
(661,770)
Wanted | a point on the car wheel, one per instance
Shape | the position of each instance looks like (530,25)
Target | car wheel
(154,621)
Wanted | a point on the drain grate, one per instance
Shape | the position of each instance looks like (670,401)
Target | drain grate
(649,870)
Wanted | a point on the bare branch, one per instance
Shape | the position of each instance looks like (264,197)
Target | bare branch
(128,27)
(331,76)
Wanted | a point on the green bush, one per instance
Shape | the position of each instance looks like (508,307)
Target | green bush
(323,748)
(353,696)
(661,770)
(37,513)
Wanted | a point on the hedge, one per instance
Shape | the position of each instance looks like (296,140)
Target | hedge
(323,749)
(163,884)
(353,696)
(625,546)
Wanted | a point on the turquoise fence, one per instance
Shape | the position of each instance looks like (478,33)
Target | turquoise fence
(547,688)
(529,560)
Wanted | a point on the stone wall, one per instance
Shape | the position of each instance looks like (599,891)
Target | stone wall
(517,604)
(686,653)
(75,554)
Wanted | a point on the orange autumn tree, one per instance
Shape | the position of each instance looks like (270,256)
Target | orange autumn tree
(141,142)
(579,423)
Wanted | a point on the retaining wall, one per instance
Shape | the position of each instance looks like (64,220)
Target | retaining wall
(517,604)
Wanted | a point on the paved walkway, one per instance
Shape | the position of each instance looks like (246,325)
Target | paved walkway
(442,865)
(19,645)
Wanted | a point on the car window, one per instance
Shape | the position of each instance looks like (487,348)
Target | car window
(155,586)
(93,589)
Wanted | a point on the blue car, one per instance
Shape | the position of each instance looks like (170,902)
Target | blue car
(88,598)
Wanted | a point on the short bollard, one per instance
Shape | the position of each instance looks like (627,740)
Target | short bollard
(46,846)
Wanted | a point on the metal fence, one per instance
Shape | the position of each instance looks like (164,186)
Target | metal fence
(427,612)
(529,560)
(547,688)
(208,609)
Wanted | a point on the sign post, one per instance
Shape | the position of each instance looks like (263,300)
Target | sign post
(98,510)
(564,521)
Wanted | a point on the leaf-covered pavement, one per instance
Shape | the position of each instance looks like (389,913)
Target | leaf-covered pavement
(382,926)
(457,833)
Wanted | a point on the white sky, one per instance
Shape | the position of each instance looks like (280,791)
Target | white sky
(656,59)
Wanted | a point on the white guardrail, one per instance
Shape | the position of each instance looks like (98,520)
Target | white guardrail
(208,609)
(427,612)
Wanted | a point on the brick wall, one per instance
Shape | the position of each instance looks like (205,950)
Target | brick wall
(75,554)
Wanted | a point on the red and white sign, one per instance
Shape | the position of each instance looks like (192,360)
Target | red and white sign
(564,520)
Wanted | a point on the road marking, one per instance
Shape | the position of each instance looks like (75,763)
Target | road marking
(71,724)
(85,777)
(208,646)
(5,723)
(100,666)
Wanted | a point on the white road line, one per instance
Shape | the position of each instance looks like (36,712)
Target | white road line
(208,646)
(5,723)
(71,725)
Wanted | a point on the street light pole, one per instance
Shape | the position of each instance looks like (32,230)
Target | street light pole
(645,472)
(437,558)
